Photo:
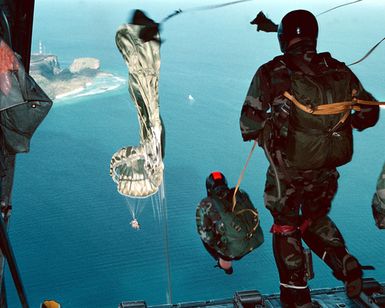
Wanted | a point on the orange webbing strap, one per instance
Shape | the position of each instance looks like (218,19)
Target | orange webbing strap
(325,109)
(334,108)
(341,121)
(255,215)
(363,102)
(242,175)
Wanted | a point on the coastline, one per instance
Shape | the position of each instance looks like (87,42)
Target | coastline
(70,93)
(101,83)
(82,78)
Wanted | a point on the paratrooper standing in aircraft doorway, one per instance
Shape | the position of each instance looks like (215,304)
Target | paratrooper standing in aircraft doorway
(378,203)
(304,147)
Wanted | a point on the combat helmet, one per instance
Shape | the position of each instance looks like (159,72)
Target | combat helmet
(215,182)
(297,24)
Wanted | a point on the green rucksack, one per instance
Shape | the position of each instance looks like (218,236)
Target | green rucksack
(231,234)
(319,141)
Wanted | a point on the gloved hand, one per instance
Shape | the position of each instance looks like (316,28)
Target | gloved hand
(378,208)
(251,136)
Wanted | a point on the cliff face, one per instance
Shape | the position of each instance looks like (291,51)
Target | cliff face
(56,82)
(84,64)
(83,77)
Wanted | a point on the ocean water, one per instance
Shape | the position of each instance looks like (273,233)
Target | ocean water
(70,228)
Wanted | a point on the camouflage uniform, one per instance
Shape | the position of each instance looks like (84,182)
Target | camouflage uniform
(226,234)
(207,221)
(378,204)
(300,210)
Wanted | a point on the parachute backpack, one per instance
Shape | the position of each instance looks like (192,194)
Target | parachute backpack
(231,231)
(320,132)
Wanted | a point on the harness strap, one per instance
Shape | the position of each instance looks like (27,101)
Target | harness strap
(335,108)
(256,220)
(326,109)
(282,229)
(286,229)
(341,121)
(363,102)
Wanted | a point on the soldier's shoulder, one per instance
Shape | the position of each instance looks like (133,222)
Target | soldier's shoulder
(271,66)
(327,59)
(276,62)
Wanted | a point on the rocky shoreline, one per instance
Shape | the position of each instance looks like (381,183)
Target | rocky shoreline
(67,82)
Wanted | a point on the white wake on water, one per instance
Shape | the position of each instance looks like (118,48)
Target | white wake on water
(102,83)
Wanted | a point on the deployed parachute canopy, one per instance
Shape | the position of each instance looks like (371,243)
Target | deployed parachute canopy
(138,170)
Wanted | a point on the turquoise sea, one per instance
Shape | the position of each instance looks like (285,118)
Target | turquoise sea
(70,228)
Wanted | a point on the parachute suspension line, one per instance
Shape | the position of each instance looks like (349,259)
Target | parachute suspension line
(202,8)
(371,50)
(135,205)
(164,219)
(242,175)
(368,53)
(139,206)
(156,206)
(157,203)
(131,207)
(255,214)
(338,6)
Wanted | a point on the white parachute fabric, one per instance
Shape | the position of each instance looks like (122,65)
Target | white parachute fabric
(138,170)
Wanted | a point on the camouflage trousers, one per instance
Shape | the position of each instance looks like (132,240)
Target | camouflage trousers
(299,203)
(305,194)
